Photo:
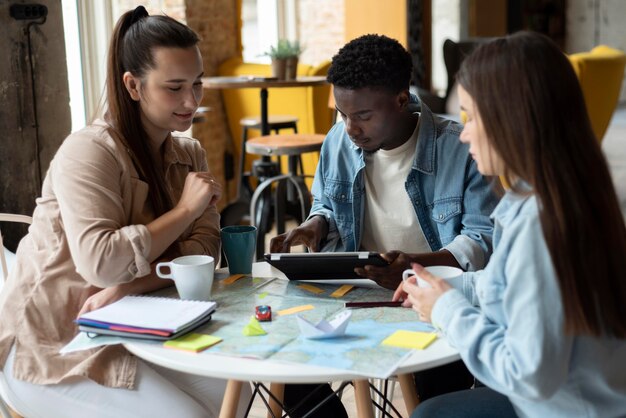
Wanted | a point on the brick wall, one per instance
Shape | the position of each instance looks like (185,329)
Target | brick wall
(172,8)
(216,21)
(322,32)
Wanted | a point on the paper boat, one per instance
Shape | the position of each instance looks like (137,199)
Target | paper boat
(325,329)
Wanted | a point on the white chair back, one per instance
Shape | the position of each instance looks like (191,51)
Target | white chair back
(6,260)
(6,255)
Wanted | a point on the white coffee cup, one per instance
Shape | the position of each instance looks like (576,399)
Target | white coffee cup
(192,274)
(444,272)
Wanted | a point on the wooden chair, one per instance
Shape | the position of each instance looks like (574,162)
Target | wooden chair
(7,408)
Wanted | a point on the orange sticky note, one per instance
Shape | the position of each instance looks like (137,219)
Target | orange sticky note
(341,291)
(295,309)
(232,279)
(311,288)
(410,339)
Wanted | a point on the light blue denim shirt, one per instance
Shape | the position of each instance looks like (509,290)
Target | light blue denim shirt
(452,200)
(507,323)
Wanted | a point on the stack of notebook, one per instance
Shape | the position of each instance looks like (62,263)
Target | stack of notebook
(147,317)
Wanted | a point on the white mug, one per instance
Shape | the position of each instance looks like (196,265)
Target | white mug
(444,272)
(192,275)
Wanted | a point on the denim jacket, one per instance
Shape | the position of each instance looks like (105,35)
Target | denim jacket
(507,323)
(451,199)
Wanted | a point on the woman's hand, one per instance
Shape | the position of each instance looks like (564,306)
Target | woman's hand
(138,286)
(421,299)
(102,298)
(200,191)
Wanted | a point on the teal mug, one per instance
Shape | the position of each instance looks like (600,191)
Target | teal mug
(239,246)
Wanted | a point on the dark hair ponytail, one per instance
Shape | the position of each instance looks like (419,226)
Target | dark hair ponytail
(132,45)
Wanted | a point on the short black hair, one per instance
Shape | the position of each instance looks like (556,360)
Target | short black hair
(371,61)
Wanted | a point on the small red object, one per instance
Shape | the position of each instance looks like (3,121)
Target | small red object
(263,313)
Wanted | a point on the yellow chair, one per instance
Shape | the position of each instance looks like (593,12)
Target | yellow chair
(600,72)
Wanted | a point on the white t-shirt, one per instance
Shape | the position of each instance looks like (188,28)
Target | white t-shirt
(389,220)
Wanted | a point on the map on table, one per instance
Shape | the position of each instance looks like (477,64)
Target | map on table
(359,351)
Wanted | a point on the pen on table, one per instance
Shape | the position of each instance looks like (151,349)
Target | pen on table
(372,304)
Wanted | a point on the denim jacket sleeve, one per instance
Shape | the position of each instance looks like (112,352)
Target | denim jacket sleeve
(513,342)
(473,245)
(322,206)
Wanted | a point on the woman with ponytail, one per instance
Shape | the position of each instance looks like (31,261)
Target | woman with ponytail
(543,326)
(120,195)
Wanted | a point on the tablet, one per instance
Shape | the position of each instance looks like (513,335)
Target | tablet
(323,266)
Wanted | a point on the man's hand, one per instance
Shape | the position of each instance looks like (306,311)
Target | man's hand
(309,234)
(388,276)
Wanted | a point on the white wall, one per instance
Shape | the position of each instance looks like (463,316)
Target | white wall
(446,24)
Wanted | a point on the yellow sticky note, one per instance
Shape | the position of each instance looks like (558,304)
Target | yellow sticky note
(410,339)
(341,291)
(311,288)
(232,279)
(192,342)
(262,295)
(253,328)
(295,309)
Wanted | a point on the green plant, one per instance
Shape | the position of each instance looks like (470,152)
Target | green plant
(284,49)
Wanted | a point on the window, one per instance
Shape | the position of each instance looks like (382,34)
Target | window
(264,22)
(88,26)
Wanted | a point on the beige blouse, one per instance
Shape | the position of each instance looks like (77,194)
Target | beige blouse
(89,230)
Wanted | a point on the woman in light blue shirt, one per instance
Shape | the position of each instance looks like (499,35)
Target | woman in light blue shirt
(543,326)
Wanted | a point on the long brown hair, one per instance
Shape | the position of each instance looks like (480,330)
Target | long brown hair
(534,115)
(134,39)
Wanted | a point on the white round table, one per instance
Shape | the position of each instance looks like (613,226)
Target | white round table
(237,370)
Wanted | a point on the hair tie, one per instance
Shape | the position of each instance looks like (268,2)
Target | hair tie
(139,13)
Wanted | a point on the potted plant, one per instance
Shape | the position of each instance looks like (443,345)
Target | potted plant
(294,51)
(284,59)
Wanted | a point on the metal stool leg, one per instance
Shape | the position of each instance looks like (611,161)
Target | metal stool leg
(258,199)
(281,195)
(244,185)
(263,221)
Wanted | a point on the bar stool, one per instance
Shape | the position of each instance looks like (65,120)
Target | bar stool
(292,145)
(275,123)
(201,114)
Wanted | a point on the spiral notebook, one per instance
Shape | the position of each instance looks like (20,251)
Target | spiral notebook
(147,317)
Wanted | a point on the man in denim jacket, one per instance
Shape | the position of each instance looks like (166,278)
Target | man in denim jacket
(393,178)
(430,205)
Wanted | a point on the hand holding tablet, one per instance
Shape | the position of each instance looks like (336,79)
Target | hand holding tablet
(323,266)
